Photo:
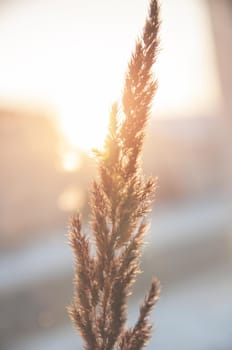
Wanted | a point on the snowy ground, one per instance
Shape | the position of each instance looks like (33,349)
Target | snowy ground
(195,308)
(195,315)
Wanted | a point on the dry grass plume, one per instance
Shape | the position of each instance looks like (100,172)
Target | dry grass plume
(121,197)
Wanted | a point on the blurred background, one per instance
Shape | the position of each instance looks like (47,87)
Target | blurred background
(62,64)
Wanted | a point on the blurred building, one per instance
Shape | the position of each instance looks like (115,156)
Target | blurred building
(37,193)
(221,20)
(188,156)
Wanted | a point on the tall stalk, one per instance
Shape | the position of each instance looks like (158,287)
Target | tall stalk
(121,197)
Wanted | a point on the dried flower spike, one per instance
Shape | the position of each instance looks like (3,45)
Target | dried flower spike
(120,199)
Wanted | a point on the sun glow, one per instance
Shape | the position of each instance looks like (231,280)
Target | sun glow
(75,61)
(83,108)
(84,123)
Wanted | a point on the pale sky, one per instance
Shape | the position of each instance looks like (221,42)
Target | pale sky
(71,56)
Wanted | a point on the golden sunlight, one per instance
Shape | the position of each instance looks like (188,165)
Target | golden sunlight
(76,66)
(83,109)
(186,87)
(84,125)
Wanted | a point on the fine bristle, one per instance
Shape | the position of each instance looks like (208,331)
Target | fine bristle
(121,197)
